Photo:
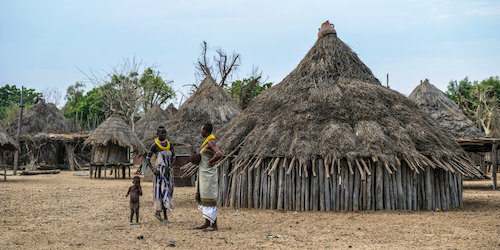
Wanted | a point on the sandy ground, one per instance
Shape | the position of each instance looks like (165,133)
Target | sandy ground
(67,211)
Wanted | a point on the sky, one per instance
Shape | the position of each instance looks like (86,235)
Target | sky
(53,44)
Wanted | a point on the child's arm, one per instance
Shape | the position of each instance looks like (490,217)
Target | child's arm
(128,192)
(140,190)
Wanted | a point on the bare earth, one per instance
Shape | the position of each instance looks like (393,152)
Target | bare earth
(66,211)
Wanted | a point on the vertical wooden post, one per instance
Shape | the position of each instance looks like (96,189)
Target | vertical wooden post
(4,167)
(387,80)
(19,130)
(494,162)
(379,185)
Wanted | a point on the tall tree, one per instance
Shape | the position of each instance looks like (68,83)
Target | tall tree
(480,101)
(155,89)
(221,66)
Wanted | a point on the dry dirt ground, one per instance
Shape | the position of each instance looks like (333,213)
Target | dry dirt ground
(67,211)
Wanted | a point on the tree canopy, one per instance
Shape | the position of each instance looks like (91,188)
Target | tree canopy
(480,101)
(10,98)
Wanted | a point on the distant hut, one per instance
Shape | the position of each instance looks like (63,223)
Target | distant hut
(146,127)
(446,112)
(41,117)
(330,137)
(113,141)
(209,104)
(38,147)
(171,110)
(6,144)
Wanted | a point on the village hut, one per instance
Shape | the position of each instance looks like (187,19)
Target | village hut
(209,104)
(39,142)
(329,136)
(112,142)
(146,127)
(41,117)
(446,112)
(7,144)
(171,110)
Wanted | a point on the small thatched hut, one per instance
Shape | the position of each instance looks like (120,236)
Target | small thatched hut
(447,113)
(171,110)
(113,141)
(146,127)
(6,144)
(210,103)
(330,137)
(41,117)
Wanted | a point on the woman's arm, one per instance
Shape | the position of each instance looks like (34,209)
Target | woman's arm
(217,156)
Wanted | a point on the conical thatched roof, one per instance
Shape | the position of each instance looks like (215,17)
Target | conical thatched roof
(332,106)
(6,142)
(444,111)
(115,130)
(41,117)
(146,127)
(171,110)
(210,103)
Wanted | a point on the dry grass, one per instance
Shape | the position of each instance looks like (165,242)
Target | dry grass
(66,211)
(444,111)
(7,142)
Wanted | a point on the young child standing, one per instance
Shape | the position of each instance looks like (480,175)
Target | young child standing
(135,191)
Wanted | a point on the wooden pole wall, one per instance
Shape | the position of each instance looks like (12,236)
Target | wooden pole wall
(336,185)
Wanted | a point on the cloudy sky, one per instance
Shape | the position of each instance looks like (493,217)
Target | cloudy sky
(45,44)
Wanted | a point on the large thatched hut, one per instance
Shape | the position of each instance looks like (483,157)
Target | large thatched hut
(446,112)
(210,103)
(113,141)
(330,137)
(146,127)
(6,144)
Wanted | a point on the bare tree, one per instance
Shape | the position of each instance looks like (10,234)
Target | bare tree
(119,88)
(225,65)
(52,95)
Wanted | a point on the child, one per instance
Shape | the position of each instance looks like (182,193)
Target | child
(135,191)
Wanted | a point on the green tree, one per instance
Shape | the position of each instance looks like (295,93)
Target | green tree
(243,91)
(155,89)
(478,100)
(10,98)
(86,109)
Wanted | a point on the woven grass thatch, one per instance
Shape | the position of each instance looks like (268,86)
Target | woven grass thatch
(444,111)
(210,103)
(171,110)
(7,143)
(115,130)
(41,117)
(146,127)
(330,137)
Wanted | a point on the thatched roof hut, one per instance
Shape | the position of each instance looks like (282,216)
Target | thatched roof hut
(444,111)
(41,117)
(210,103)
(146,127)
(171,110)
(7,143)
(331,137)
(113,139)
